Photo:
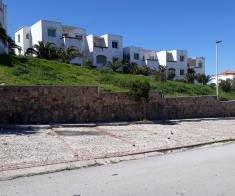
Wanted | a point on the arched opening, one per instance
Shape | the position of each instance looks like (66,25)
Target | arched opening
(101,59)
(171,73)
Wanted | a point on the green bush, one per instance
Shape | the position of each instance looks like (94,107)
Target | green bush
(5,60)
(225,85)
(140,90)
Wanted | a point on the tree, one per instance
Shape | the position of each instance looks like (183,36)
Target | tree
(8,41)
(225,85)
(67,55)
(140,90)
(161,73)
(12,45)
(115,65)
(3,36)
(203,79)
(190,76)
(171,74)
(43,51)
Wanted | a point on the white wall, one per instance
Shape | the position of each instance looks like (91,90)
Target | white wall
(39,32)
(36,32)
(131,51)
(24,42)
(3,21)
(108,52)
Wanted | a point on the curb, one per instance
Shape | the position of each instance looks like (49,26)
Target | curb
(27,172)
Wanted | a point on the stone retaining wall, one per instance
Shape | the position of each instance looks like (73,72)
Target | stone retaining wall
(77,104)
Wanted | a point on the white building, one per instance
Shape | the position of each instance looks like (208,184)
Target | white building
(52,32)
(141,56)
(174,60)
(198,64)
(3,23)
(104,49)
(228,74)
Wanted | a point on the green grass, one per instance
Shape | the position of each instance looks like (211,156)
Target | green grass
(32,71)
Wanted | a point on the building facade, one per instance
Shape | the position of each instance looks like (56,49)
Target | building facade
(198,64)
(101,50)
(176,61)
(52,32)
(104,49)
(3,23)
(228,74)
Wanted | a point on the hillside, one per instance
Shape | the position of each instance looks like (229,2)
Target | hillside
(32,71)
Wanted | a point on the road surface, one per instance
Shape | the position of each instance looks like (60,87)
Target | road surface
(201,172)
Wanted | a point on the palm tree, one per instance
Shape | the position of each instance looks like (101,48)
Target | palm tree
(203,79)
(3,36)
(43,50)
(66,55)
(190,76)
(162,70)
(12,45)
(7,40)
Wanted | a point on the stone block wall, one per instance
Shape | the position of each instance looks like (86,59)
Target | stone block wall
(79,104)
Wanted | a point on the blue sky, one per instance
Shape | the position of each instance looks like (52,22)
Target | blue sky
(193,25)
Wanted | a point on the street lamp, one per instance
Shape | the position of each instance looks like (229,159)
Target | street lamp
(217,69)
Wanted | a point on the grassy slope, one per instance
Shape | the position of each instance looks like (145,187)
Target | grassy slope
(31,71)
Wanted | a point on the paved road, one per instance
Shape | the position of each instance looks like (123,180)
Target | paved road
(207,171)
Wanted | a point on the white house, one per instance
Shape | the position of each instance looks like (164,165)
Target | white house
(3,23)
(104,49)
(228,74)
(62,36)
(174,60)
(141,56)
(198,64)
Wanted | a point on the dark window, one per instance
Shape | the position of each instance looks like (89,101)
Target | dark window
(19,38)
(181,72)
(27,36)
(114,44)
(136,56)
(200,65)
(52,32)
(182,58)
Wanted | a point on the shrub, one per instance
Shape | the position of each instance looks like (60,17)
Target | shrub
(233,84)
(203,79)
(5,60)
(140,90)
(161,73)
(226,85)
(171,75)
(190,76)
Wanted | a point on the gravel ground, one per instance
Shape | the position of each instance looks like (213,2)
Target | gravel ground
(19,146)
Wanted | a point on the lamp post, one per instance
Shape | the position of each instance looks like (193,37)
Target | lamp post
(217,68)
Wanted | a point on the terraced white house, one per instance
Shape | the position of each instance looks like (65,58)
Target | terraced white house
(52,32)
(176,61)
(3,23)
(104,49)
(101,50)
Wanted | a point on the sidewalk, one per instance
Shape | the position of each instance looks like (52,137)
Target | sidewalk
(24,147)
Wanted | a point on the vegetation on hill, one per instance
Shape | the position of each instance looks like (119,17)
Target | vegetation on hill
(33,71)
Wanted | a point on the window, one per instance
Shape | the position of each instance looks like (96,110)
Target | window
(27,36)
(114,44)
(181,72)
(19,38)
(181,58)
(151,57)
(136,56)
(52,32)
(115,59)
(200,65)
